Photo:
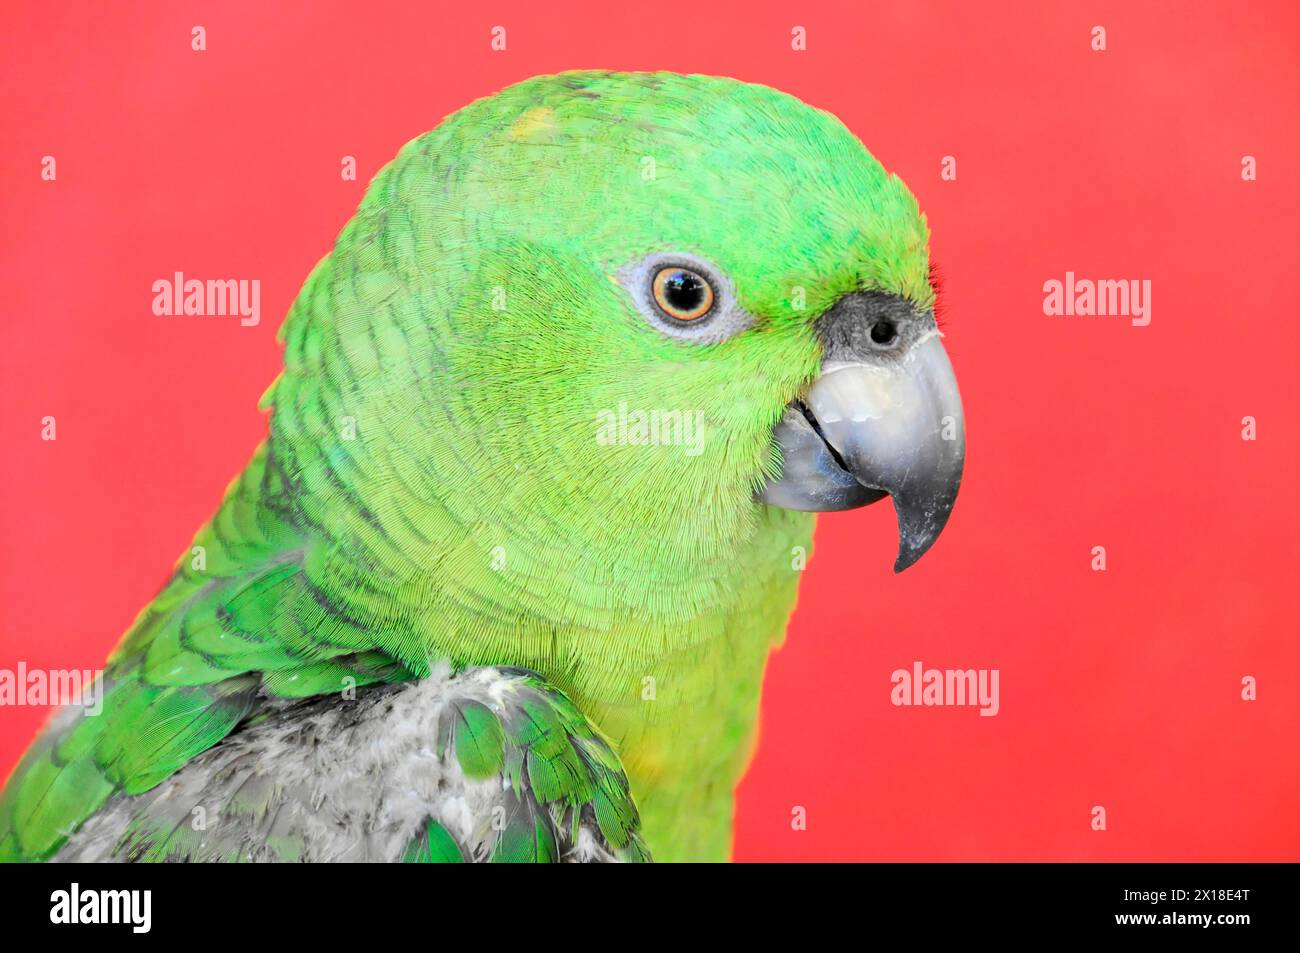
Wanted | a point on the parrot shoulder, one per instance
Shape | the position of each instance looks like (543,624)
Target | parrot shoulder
(487,764)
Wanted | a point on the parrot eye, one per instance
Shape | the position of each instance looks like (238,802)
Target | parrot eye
(684,297)
(682,294)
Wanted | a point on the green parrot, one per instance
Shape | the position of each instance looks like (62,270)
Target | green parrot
(556,416)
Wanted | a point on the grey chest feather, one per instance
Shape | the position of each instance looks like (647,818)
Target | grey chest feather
(341,779)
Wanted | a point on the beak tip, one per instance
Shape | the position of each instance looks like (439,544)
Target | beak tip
(915,541)
(907,558)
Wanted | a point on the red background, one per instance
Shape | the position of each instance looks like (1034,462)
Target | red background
(1119,689)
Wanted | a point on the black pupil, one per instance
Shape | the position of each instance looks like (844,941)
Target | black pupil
(882,332)
(684,290)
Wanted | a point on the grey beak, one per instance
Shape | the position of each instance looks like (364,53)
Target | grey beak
(886,423)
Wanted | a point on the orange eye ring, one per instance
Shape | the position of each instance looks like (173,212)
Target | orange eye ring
(682,294)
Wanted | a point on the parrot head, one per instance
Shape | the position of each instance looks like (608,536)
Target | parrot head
(675,301)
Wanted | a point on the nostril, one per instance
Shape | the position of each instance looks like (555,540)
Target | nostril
(884,332)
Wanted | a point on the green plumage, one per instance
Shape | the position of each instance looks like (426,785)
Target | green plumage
(435,846)
(480,741)
(431,486)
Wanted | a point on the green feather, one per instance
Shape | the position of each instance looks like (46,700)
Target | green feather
(434,846)
(480,740)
